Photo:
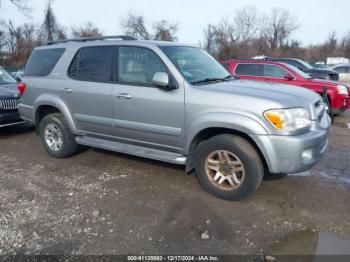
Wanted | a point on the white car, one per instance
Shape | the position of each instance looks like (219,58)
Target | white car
(344,72)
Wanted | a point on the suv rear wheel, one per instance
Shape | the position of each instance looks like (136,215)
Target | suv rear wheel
(228,167)
(55,135)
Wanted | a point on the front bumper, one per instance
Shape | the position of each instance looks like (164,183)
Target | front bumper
(293,154)
(8,118)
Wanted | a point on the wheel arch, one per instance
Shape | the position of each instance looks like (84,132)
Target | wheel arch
(51,104)
(209,132)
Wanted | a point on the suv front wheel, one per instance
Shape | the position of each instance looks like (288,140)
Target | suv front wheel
(56,136)
(228,167)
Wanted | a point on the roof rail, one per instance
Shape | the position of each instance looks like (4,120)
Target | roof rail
(95,38)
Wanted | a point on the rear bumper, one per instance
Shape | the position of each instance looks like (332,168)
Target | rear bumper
(293,154)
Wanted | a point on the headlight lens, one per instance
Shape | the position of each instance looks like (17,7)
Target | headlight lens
(342,90)
(289,120)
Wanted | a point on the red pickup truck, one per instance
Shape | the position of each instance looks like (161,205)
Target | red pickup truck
(271,71)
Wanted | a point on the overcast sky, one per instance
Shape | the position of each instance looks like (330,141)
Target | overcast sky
(317,18)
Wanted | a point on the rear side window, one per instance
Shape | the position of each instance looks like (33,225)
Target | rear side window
(42,62)
(250,69)
(92,64)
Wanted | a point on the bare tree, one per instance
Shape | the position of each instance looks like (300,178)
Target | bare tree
(246,23)
(279,26)
(21,5)
(50,28)
(221,39)
(165,31)
(134,25)
(87,30)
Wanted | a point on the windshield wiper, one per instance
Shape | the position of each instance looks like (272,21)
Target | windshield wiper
(213,79)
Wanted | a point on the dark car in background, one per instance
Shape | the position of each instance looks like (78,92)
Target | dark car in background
(321,73)
(9,99)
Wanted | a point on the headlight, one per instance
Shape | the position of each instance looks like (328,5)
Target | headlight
(342,90)
(289,120)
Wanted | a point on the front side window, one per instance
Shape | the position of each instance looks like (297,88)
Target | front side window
(92,64)
(250,69)
(274,71)
(137,65)
(195,64)
(6,78)
(42,61)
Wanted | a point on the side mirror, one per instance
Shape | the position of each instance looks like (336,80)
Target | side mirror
(289,76)
(161,79)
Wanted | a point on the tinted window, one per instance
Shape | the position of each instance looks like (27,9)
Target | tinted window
(138,65)
(42,62)
(292,62)
(250,69)
(274,71)
(92,64)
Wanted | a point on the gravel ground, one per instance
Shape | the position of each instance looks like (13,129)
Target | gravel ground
(100,202)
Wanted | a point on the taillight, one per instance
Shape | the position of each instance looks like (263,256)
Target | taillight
(21,88)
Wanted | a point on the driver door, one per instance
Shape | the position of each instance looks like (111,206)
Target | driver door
(143,113)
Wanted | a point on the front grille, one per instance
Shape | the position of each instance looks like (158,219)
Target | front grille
(334,77)
(9,104)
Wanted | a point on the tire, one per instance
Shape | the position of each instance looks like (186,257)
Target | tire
(61,132)
(242,159)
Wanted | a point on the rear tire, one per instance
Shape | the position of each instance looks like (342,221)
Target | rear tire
(56,136)
(228,167)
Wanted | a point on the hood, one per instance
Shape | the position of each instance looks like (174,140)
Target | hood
(255,97)
(325,82)
(321,71)
(8,91)
(280,93)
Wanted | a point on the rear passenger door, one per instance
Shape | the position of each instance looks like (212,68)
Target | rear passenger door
(88,90)
(143,113)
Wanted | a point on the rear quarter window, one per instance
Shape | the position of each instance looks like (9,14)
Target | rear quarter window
(92,64)
(250,69)
(41,62)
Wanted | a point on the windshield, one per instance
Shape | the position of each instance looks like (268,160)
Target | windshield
(305,64)
(6,78)
(298,71)
(195,64)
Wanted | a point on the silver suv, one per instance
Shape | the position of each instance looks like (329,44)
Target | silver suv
(173,103)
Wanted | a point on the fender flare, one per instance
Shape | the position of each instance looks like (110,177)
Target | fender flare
(233,121)
(56,102)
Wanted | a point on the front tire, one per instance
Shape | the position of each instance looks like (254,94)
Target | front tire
(56,137)
(228,167)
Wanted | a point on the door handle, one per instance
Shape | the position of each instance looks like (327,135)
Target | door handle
(67,90)
(124,96)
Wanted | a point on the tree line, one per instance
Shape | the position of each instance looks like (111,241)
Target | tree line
(249,33)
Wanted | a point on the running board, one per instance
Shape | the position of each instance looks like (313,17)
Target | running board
(141,151)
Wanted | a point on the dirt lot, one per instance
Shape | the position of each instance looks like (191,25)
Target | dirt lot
(99,202)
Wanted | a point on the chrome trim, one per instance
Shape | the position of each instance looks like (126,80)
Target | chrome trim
(9,103)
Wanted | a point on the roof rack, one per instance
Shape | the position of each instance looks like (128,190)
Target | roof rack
(85,39)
